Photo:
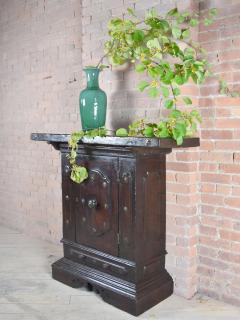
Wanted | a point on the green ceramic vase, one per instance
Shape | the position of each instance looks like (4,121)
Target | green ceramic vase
(92,101)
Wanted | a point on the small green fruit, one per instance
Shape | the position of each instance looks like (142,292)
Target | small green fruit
(122,132)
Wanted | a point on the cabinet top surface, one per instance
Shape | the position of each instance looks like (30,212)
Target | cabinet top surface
(164,143)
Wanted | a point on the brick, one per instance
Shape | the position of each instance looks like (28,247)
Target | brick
(227,102)
(213,263)
(216,134)
(181,188)
(224,189)
(227,145)
(206,167)
(216,156)
(215,178)
(208,188)
(229,212)
(187,156)
(233,202)
(228,123)
(187,167)
(230,168)
(206,230)
(212,199)
(229,235)
(227,256)
(209,36)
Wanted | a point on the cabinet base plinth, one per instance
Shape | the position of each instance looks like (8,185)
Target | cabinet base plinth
(130,297)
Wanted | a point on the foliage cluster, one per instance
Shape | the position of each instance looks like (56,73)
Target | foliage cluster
(162,48)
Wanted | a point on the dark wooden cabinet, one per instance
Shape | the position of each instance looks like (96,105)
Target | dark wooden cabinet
(114,223)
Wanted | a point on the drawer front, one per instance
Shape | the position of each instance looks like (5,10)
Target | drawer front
(103,262)
(96,204)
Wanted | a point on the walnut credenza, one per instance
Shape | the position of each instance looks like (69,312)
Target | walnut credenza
(114,223)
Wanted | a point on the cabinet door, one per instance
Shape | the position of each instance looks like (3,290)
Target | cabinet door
(96,204)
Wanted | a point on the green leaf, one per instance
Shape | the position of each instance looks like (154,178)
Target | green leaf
(172,12)
(140,67)
(176,32)
(187,100)
(153,92)
(195,114)
(121,132)
(138,35)
(162,130)
(143,85)
(179,140)
(131,12)
(186,34)
(158,55)
(114,24)
(179,79)
(189,53)
(181,128)
(168,103)
(194,22)
(165,92)
(79,174)
(148,132)
(129,39)
(153,72)
(176,91)
(213,12)
(208,21)
(154,43)
(175,114)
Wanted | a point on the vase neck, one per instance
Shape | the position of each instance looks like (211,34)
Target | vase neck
(92,75)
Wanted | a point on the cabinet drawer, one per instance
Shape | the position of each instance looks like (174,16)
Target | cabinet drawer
(98,260)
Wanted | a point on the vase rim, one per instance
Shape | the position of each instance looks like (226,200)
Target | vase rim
(91,68)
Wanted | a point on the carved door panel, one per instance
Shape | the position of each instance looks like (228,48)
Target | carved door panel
(96,204)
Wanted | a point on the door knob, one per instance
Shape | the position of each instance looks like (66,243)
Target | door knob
(92,203)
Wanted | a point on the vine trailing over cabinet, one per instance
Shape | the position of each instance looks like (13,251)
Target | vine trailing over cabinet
(160,47)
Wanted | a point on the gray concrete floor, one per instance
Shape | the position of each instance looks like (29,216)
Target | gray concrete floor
(27,291)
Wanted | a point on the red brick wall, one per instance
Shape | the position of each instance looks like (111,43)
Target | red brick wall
(219,230)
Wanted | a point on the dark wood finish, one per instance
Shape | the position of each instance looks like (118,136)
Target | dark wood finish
(114,223)
(55,139)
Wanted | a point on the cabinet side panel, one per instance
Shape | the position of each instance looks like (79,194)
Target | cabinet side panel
(69,219)
(126,207)
(151,214)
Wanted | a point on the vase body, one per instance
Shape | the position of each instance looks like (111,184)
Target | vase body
(93,102)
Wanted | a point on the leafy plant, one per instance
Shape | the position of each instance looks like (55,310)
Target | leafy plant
(161,47)
(177,126)
(80,173)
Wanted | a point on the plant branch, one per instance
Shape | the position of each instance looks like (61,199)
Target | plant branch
(174,96)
